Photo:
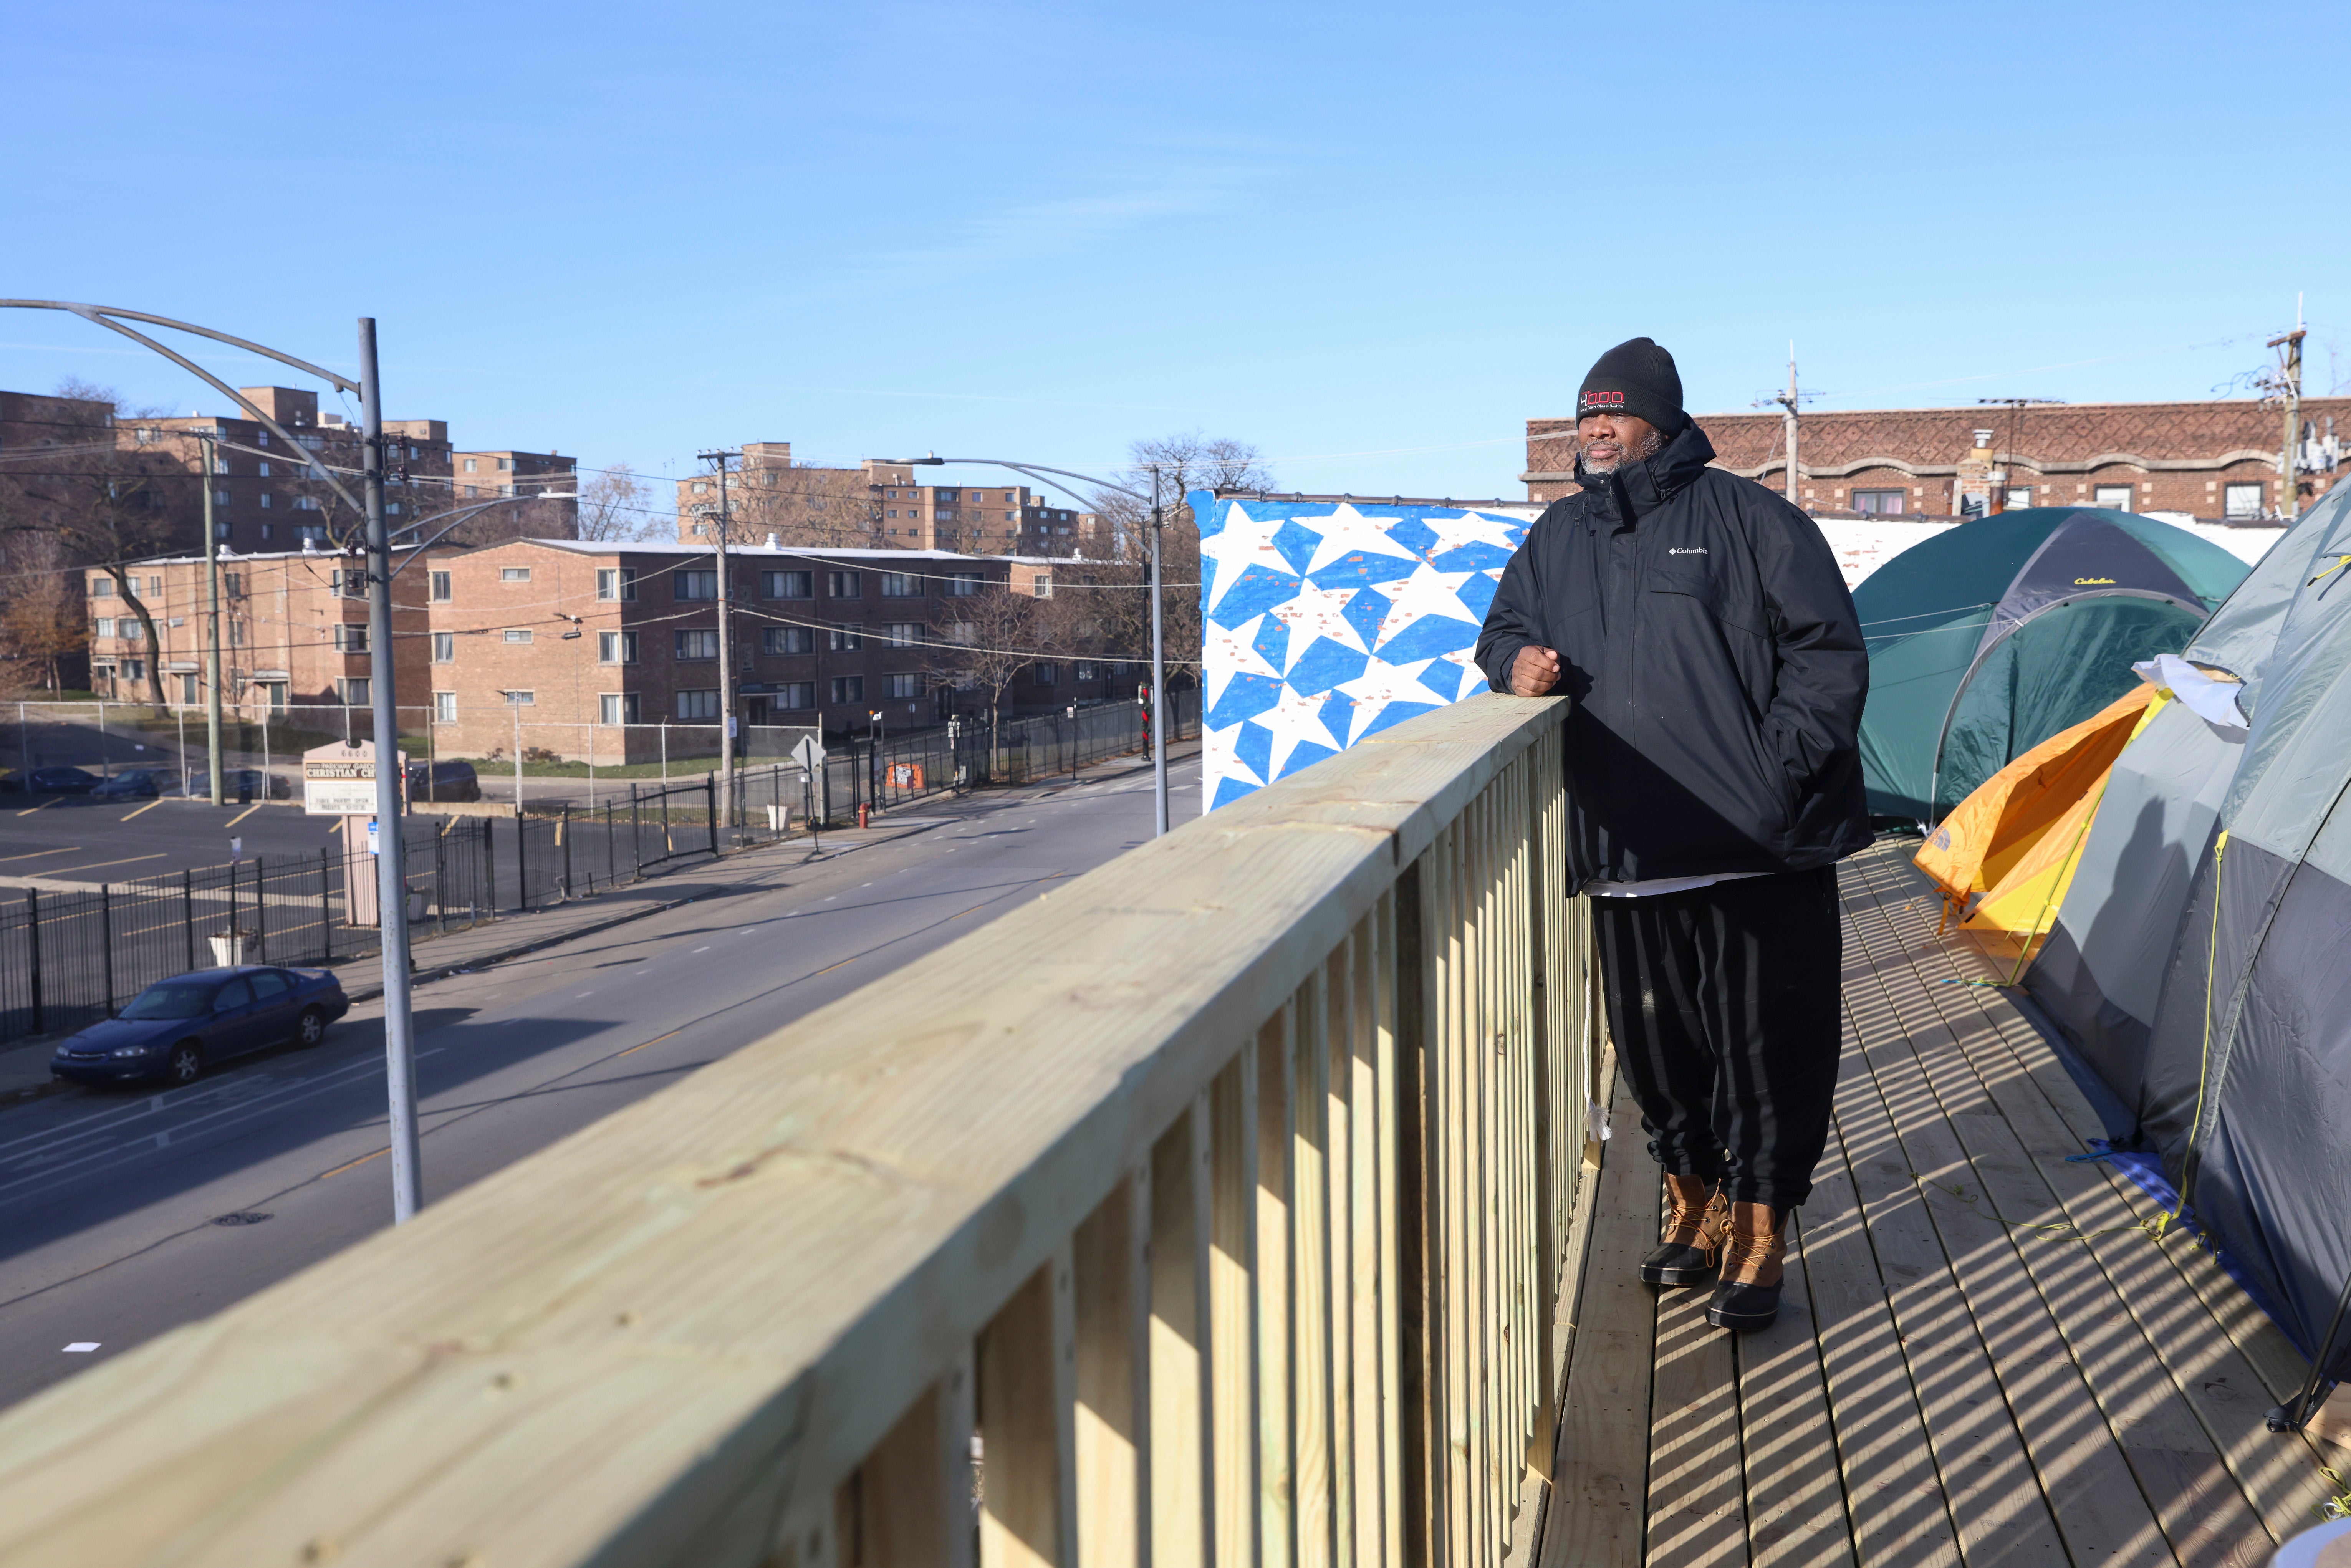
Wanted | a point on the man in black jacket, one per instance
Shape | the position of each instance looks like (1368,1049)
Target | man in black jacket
(1702,629)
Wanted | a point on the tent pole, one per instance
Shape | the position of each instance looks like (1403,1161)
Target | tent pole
(2292,1418)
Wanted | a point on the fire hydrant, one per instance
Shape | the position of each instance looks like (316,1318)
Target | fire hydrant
(862,809)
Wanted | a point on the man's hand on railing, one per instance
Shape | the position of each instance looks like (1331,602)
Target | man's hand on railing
(1534,672)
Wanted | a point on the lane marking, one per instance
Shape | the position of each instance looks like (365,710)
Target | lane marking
(360,1161)
(698,950)
(81,1347)
(241,816)
(148,807)
(656,1040)
(42,806)
(36,855)
(100,866)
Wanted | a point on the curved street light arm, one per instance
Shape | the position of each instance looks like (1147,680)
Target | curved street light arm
(100,316)
(457,519)
(94,313)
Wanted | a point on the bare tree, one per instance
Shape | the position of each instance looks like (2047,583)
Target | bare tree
(44,622)
(1121,590)
(998,632)
(615,507)
(104,503)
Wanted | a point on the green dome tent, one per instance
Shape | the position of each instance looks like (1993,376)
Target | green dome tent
(1990,638)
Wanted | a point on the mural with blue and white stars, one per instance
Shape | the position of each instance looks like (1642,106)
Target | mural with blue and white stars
(1326,621)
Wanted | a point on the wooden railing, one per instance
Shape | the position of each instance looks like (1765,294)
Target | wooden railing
(1215,1203)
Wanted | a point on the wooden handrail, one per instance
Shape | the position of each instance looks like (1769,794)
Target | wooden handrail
(1221,1194)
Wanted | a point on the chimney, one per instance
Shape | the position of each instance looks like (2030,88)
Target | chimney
(771,541)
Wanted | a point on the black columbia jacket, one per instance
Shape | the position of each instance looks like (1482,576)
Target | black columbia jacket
(1714,662)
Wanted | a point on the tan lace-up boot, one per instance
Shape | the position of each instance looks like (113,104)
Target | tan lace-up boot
(1747,1297)
(1691,1248)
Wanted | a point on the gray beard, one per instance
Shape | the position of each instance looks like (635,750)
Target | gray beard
(1650,448)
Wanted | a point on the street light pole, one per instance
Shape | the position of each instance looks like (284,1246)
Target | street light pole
(726,654)
(1158,647)
(208,454)
(392,868)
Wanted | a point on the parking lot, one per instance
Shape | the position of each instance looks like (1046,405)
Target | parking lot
(72,838)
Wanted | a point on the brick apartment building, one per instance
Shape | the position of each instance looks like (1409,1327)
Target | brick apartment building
(2213,461)
(595,638)
(293,631)
(875,505)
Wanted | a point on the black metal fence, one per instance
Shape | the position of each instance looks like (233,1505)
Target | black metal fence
(69,958)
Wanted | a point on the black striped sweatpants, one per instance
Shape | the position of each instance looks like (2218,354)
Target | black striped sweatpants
(1724,1002)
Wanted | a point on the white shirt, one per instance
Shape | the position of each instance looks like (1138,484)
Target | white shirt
(1663,884)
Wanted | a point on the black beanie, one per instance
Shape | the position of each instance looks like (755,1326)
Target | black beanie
(1637,378)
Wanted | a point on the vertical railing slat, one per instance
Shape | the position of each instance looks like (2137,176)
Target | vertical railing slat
(1232,1327)
(1277,1071)
(1311,1276)
(1177,1363)
(1111,1330)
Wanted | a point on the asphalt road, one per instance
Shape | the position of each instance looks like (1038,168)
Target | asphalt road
(112,1206)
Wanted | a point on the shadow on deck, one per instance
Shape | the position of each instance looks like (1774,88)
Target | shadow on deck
(1982,1356)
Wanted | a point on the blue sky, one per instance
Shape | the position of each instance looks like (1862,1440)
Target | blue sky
(1372,240)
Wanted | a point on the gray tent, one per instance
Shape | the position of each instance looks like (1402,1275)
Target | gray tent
(2199,962)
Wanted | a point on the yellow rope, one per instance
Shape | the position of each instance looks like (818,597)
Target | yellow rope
(2204,1067)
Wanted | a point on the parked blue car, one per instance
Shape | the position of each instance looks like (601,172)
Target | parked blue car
(176,1028)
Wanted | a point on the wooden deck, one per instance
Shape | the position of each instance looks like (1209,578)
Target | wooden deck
(1957,1376)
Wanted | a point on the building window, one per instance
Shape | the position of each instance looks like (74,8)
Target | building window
(616,647)
(2241,501)
(352,690)
(188,695)
(963,585)
(1088,672)
(441,587)
(444,647)
(306,503)
(236,633)
(788,584)
(902,685)
(105,627)
(792,695)
(101,588)
(135,669)
(695,582)
(445,707)
(518,633)
(514,574)
(903,633)
(849,688)
(2112,498)
(521,699)
(1046,675)
(470,468)
(842,640)
(311,533)
(2015,498)
(845,584)
(350,637)
(506,464)
(701,486)
(1041,585)
(350,584)
(1877,503)
(220,497)
(616,582)
(702,704)
(901,585)
(617,707)
(233,583)
(787,640)
(697,644)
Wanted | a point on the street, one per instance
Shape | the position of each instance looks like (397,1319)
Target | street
(122,1216)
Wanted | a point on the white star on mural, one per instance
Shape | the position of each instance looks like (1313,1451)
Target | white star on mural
(1346,532)
(1428,592)
(1243,542)
(1317,612)
(1472,529)
(1380,684)
(1295,718)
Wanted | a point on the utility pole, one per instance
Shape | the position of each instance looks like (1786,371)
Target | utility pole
(210,463)
(391,864)
(2289,347)
(1158,670)
(2002,473)
(1788,401)
(726,652)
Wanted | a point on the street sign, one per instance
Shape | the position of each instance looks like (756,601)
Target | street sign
(809,753)
(339,780)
